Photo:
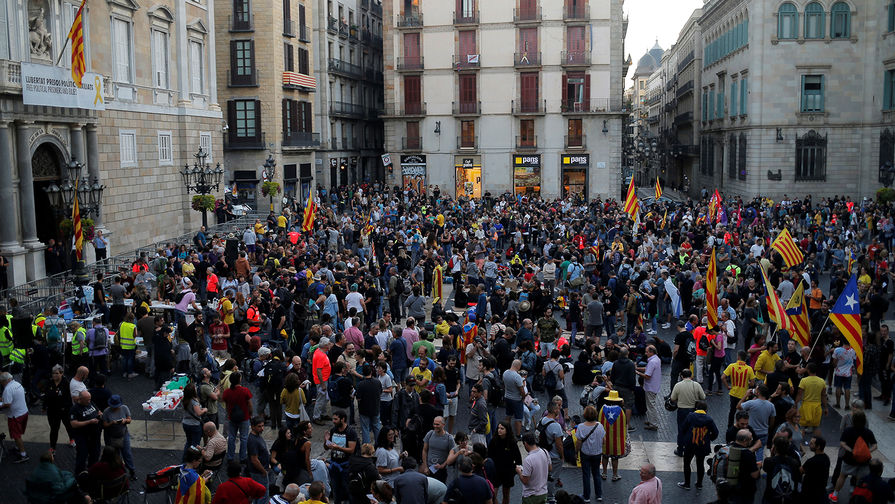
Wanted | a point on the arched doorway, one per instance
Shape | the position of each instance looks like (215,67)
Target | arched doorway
(46,168)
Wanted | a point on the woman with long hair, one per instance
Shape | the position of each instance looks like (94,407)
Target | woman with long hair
(292,398)
(505,453)
(388,460)
(296,461)
(192,417)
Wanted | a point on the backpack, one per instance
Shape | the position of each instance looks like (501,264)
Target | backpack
(406,285)
(53,334)
(179,297)
(550,379)
(237,414)
(861,452)
(705,342)
(725,464)
(101,339)
(782,483)
(275,375)
(861,494)
(543,441)
(399,287)
(691,349)
(496,391)
(335,395)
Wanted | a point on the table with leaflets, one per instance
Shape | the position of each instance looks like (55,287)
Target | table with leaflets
(166,400)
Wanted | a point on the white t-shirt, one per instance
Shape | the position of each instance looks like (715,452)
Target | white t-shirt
(14,396)
(757,250)
(353,300)
(593,445)
(75,387)
(535,467)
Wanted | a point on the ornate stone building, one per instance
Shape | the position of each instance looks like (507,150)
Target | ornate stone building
(151,102)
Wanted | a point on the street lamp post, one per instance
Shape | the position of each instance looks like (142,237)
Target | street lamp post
(886,174)
(269,174)
(201,178)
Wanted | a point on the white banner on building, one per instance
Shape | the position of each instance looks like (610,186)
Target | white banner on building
(54,87)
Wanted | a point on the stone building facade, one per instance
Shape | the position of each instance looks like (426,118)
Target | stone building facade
(521,96)
(265,74)
(152,69)
(796,96)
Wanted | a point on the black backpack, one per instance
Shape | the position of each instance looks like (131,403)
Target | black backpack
(275,375)
(543,441)
(496,391)
(551,379)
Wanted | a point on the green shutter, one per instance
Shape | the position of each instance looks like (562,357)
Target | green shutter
(803,97)
(733,98)
(887,90)
(822,92)
(711,104)
(892,16)
(743,95)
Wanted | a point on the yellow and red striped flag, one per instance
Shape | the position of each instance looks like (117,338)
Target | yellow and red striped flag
(658,189)
(776,311)
(76,225)
(76,34)
(711,292)
(631,200)
(307,223)
(797,310)
(664,218)
(786,247)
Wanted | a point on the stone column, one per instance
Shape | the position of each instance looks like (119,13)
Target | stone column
(35,267)
(9,239)
(76,132)
(212,62)
(183,58)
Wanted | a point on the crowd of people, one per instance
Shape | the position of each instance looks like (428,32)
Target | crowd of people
(423,396)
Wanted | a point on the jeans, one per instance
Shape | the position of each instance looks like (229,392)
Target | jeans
(87,451)
(263,479)
(338,480)
(730,356)
(865,392)
(126,455)
(590,469)
(676,368)
(127,360)
(243,429)
(193,436)
(368,423)
(553,476)
(609,324)
(689,455)
(320,403)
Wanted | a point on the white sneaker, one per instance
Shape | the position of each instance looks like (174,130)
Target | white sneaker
(666,325)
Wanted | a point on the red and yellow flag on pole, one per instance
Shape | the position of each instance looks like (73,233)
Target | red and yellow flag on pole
(797,310)
(76,34)
(711,292)
(658,189)
(76,225)
(307,223)
(787,248)
(776,311)
(631,200)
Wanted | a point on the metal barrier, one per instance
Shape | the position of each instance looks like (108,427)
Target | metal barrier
(35,296)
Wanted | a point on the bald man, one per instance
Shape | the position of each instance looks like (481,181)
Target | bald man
(649,491)
(78,383)
(215,447)
(287,497)
(86,428)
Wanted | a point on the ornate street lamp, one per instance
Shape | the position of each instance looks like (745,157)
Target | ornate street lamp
(269,173)
(887,174)
(202,179)
(62,199)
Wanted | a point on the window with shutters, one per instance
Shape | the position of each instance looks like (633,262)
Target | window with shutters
(122,46)
(528,45)
(811,157)
(742,157)
(528,9)
(412,50)
(242,15)
(242,62)
(205,144)
(576,92)
(288,57)
(889,90)
(812,93)
(468,93)
(159,58)
(302,24)
(468,52)
(467,134)
(890,11)
(288,117)
(288,29)
(528,83)
(527,133)
(127,147)
(197,67)
(412,95)
(814,21)
(744,95)
(303,63)
(576,45)
(840,21)
(787,22)
(575,135)
(413,140)
(732,157)
(733,98)
(244,118)
(165,153)
(886,147)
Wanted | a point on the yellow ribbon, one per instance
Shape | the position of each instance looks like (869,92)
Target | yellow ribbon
(97,85)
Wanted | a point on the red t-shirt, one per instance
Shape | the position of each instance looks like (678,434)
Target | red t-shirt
(239,490)
(321,361)
(698,333)
(219,335)
(239,395)
(212,283)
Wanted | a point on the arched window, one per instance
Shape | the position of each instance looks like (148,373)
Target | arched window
(814,21)
(840,21)
(787,22)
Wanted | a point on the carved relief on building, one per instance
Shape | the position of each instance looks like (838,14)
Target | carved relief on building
(39,35)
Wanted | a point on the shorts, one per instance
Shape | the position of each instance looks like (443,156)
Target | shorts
(842,382)
(858,471)
(514,409)
(250,248)
(627,395)
(450,408)
(535,499)
(17,426)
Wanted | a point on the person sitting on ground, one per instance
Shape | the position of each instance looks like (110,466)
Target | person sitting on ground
(48,484)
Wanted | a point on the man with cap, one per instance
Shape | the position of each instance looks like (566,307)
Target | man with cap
(320,372)
(115,421)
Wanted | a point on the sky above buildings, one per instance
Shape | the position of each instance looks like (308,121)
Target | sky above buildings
(649,20)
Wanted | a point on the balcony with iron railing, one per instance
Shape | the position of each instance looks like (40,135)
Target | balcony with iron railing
(528,107)
(366,36)
(408,110)
(410,64)
(685,88)
(412,20)
(467,108)
(234,142)
(377,9)
(468,143)
(343,30)
(576,13)
(467,61)
(304,33)
(373,75)
(332,25)
(466,18)
(527,15)
(526,142)
(575,141)
(241,23)
(527,59)
(412,143)
(288,28)
(682,119)
(301,139)
(239,80)
(574,58)
(345,68)
(684,62)
(586,106)
(353,36)
(345,109)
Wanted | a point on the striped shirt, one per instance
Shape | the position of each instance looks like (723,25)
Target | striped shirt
(740,374)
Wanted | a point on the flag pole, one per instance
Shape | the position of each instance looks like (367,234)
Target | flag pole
(819,334)
(62,51)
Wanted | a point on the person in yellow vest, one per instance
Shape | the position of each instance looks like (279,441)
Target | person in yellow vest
(5,335)
(37,325)
(78,345)
(126,339)
(17,357)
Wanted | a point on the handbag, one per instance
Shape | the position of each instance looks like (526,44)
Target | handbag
(670,404)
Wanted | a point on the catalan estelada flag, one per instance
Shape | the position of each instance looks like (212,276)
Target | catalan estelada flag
(76,225)
(797,310)
(846,315)
(658,189)
(615,423)
(776,311)
(631,200)
(787,248)
(714,205)
(664,218)
(851,261)
(307,223)
(191,488)
(76,34)
(711,292)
